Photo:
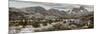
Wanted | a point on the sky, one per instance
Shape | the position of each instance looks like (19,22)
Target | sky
(87,2)
(46,5)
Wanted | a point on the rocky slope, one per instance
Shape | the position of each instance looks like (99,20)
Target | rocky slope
(40,12)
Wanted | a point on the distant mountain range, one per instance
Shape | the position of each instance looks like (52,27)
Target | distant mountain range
(45,10)
(41,12)
(46,5)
